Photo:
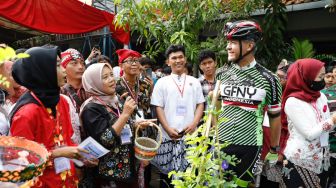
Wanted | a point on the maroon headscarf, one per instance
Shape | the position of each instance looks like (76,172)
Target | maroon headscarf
(299,77)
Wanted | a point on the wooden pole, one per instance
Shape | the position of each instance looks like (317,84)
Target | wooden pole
(212,109)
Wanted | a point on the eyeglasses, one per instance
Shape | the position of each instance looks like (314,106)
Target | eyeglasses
(131,61)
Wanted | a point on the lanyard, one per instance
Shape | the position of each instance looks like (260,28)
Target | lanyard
(181,91)
(108,108)
(58,137)
(319,117)
(134,95)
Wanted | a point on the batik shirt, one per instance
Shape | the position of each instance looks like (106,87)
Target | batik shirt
(245,93)
(119,163)
(141,94)
(77,96)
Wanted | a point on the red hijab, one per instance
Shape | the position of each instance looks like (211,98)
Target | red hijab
(299,76)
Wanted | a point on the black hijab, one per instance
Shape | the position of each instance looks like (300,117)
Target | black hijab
(38,73)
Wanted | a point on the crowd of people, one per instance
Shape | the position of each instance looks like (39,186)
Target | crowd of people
(279,125)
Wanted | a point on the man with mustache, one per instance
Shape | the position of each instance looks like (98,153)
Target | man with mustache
(247,88)
(130,84)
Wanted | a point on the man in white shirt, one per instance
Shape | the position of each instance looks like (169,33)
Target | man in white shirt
(178,99)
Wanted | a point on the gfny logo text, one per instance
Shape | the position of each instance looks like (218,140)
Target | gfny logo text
(243,92)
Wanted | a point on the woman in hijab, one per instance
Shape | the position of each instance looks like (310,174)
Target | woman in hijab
(309,122)
(42,115)
(112,126)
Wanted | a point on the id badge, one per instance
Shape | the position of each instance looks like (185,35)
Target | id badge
(324,139)
(128,127)
(126,135)
(61,164)
(181,110)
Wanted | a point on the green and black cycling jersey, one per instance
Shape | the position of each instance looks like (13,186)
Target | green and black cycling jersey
(246,92)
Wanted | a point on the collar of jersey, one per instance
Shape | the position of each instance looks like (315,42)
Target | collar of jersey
(251,65)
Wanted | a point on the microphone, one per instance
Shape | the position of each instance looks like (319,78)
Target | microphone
(120,90)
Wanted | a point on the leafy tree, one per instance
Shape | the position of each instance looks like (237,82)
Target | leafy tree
(164,22)
(273,47)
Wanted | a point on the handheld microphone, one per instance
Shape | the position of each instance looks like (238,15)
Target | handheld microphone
(120,90)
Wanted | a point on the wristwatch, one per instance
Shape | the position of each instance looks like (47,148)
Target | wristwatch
(275,149)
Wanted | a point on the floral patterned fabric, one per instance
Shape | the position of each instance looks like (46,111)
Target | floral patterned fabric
(119,163)
(308,125)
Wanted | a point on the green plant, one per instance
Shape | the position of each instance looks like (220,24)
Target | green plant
(326,57)
(302,49)
(272,48)
(208,163)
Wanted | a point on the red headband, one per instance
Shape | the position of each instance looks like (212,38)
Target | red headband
(69,55)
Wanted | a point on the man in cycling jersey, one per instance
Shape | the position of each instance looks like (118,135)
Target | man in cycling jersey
(247,89)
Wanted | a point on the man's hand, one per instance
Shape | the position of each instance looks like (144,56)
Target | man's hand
(190,128)
(280,158)
(94,53)
(272,158)
(173,133)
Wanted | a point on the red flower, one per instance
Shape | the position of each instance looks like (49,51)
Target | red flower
(311,146)
(315,157)
(325,108)
(119,165)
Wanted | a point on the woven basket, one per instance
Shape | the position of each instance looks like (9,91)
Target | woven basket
(145,148)
(16,168)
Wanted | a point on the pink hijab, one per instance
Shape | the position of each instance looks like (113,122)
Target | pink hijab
(93,84)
